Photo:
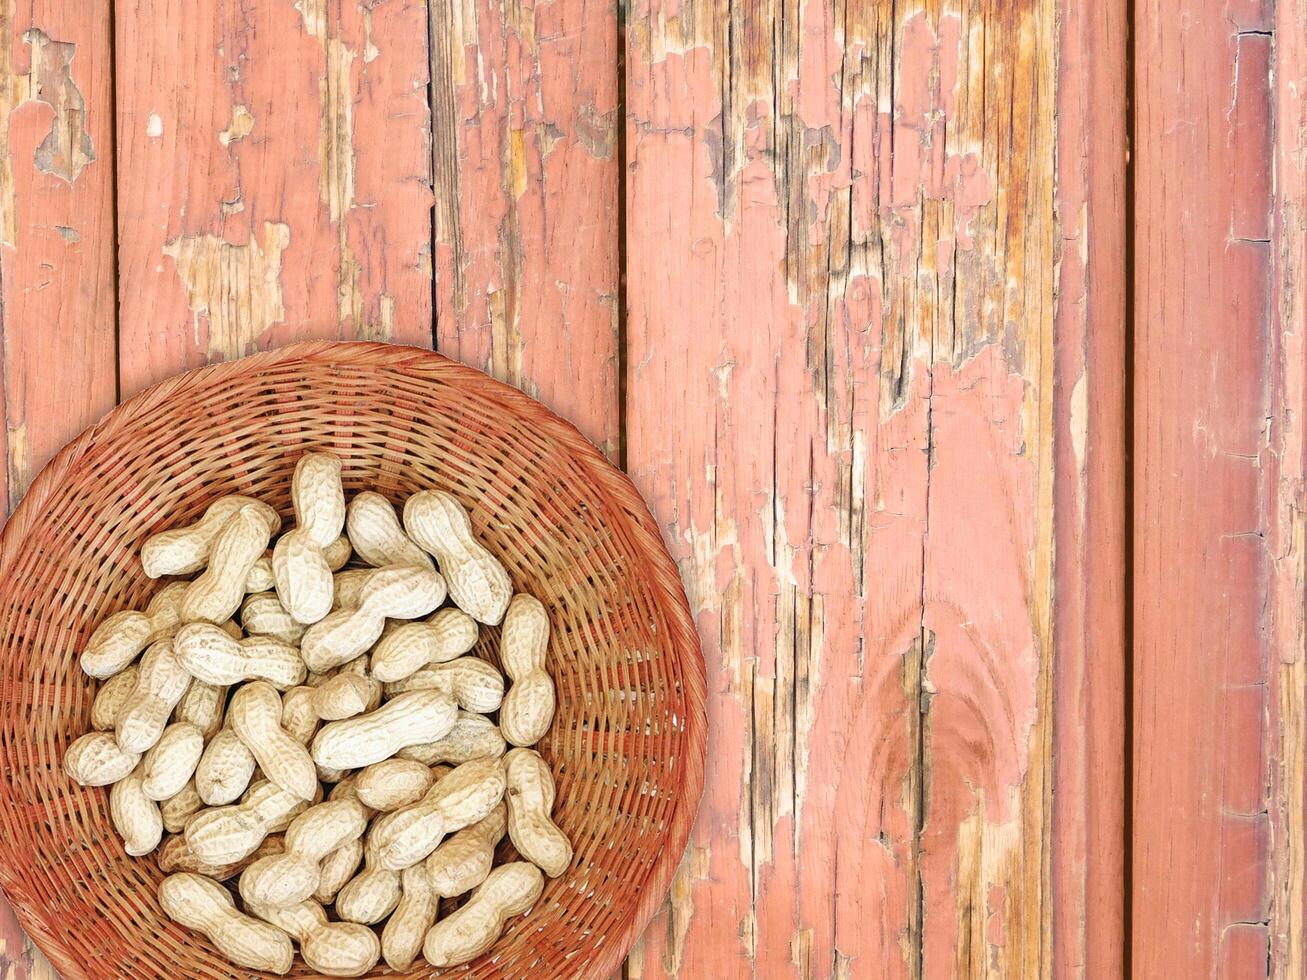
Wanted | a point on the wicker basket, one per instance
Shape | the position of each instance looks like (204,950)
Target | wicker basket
(627,745)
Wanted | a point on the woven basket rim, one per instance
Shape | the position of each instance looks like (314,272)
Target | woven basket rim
(617,486)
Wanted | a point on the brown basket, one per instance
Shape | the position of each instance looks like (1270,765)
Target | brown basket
(627,745)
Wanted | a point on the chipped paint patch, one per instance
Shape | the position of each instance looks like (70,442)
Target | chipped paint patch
(154,126)
(370,49)
(237,287)
(18,461)
(68,234)
(67,150)
(336,136)
(693,867)
(242,122)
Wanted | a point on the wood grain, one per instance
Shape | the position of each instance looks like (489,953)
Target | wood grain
(525,160)
(56,228)
(838,259)
(1089,720)
(274,162)
(1201,410)
(1285,460)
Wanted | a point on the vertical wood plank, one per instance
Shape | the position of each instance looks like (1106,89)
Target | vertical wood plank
(1089,818)
(273,177)
(525,161)
(1202,410)
(1285,459)
(56,227)
(840,261)
(56,262)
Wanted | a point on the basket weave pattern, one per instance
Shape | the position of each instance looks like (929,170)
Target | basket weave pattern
(626,747)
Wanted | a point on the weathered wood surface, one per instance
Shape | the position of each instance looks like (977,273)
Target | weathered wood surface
(839,260)
(1089,682)
(1203,431)
(1286,502)
(868,364)
(273,178)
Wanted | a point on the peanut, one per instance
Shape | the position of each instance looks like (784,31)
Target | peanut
(298,715)
(261,578)
(96,759)
(376,535)
(176,855)
(294,875)
(210,655)
(216,594)
(116,642)
(473,683)
(135,815)
(169,764)
(224,770)
(229,833)
(348,586)
(477,582)
(303,577)
(255,715)
(204,905)
(448,634)
(109,701)
(528,706)
(336,949)
(202,705)
(415,914)
(160,683)
(342,696)
(338,867)
(318,497)
(511,889)
(184,550)
(462,862)
(472,737)
(392,784)
(299,561)
(464,797)
(262,614)
(180,807)
(373,894)
(530,797)
(396,592)
(422,716)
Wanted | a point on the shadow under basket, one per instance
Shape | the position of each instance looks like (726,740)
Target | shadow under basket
(626,746)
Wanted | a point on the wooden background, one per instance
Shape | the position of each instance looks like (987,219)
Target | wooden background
(959,347)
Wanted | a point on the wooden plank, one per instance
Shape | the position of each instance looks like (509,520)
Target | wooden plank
(524,104)
(841,408)
(1089,721)
(56,261)
(1285,460)
(1202,405)
(56,228)
(273,177)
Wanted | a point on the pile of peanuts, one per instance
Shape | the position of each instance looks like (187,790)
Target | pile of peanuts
(225,732)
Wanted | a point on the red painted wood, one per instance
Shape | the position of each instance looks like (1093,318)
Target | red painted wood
(1202,404)
(273,177)
(841,409)
(56,228)
(525,158)
(1089,721)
